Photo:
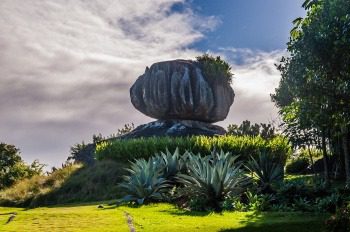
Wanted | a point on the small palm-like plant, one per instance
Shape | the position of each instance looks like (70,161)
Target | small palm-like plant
(145,182)
(213,178)
(266,170)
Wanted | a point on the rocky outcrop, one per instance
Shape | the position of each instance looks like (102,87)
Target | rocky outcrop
(178,90)
(174,128)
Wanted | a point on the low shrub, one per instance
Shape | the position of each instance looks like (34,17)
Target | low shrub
(328,203)
(297,166)
(340,221)
(244,146)
(287,192)
(215,67)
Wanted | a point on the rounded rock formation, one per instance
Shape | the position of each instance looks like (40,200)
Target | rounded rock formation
(179,90)
(176,128)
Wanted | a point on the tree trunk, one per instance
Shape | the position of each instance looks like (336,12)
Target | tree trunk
(312,160)
(344,131)
(325,158)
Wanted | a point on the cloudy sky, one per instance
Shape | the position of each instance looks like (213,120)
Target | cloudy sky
(66,66)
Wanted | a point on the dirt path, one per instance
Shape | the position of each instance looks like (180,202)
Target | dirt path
(129,220)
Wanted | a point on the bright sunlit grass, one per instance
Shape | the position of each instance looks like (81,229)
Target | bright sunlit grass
(159,217)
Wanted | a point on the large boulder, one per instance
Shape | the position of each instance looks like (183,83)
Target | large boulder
(175,128)
(178,89)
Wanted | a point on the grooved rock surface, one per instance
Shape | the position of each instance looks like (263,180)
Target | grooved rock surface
(174,128)
(178,89)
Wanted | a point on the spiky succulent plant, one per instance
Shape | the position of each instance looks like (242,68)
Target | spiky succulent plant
(213,178)
(171,163)
(266,170)
(145,181)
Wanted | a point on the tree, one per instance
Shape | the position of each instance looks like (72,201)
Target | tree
(13,168)
(266,131)
(316,76)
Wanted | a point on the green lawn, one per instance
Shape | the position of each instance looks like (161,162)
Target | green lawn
(159,217)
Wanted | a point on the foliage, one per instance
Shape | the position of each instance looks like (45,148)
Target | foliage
(266,131)
(313,94)
(145,182)
(302,204)
(213,178)
(328,203)
(288,191)
(126,129)
(81,153)
(266,170)
(340,221)
(25,191)
(71,183)
(171,164)
(13,168)
(258,202)
(245,146)
(84,153)
(298,165)
(305,153)
(215,67)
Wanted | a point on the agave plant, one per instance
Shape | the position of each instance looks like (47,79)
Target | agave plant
(145,182)
(171,164)
(213,178)
(266,170)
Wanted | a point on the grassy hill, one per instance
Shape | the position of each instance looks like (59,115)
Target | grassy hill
(70,184)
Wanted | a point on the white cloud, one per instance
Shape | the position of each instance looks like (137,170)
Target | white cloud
(255,78)
(66,68)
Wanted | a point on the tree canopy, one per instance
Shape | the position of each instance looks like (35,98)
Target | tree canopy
(13,168)
(314,92)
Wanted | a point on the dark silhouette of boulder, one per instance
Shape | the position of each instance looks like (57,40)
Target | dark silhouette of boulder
(176,128)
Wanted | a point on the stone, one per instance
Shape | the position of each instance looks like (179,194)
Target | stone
(176,128)
(179,90)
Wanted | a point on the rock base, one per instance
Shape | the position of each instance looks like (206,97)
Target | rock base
(175,128)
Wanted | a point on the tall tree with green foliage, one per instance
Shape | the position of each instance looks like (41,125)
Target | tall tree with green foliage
(315,82)
(12,167)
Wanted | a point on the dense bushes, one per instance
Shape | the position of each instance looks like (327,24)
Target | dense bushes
(245,146)
(298,166)
(340,221)
(220,182)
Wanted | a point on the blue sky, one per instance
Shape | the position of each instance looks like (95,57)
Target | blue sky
(254,24)
(67,66)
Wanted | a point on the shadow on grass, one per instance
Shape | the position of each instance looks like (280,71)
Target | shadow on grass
(180,212)
(281,222)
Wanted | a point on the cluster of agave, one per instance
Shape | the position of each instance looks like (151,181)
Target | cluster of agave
(213,177)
